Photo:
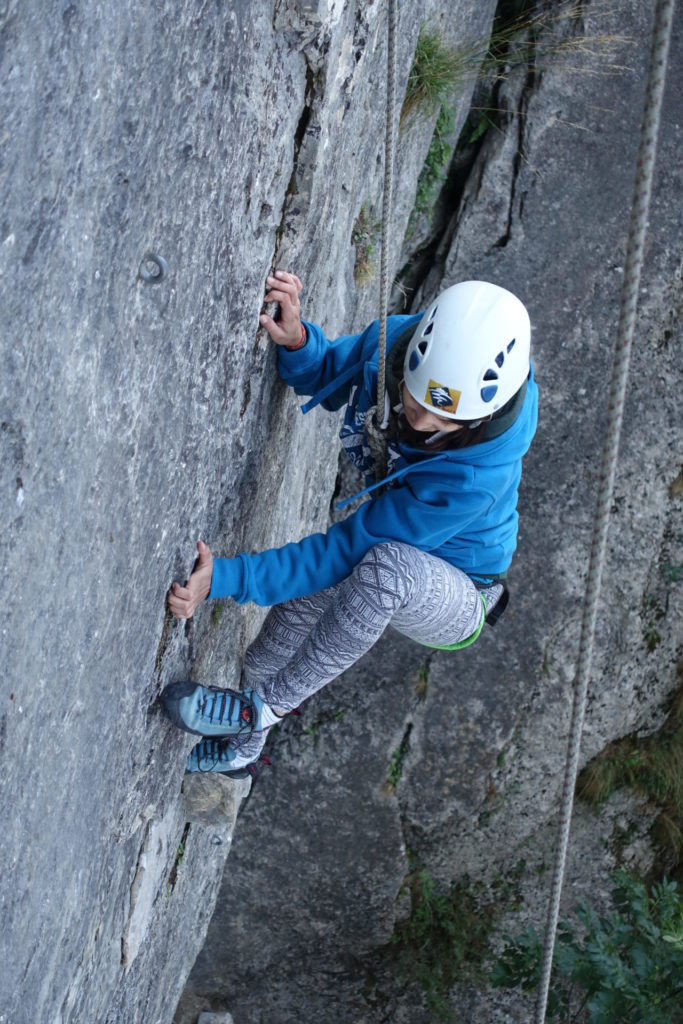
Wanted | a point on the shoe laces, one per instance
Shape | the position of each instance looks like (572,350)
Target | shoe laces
(216,751)
(223,704)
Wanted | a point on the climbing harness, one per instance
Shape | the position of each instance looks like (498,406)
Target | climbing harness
(622,352)
(376,424)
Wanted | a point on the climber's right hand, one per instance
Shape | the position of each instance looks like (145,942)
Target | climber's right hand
(184,600)
(285,289)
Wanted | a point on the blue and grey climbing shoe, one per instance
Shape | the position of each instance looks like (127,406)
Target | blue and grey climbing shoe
(208,711)
(214,755)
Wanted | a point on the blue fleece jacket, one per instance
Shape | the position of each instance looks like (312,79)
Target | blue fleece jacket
(460,505)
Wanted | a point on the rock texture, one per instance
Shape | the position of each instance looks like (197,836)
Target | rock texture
(325,842)
(136,416)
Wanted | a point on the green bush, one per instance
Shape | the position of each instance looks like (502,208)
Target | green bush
(445,939)
(624,968)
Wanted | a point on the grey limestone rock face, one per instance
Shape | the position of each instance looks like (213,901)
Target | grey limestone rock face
(213,799)
(482,734)
(137,416)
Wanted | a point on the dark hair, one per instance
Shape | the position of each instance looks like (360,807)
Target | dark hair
(418,439)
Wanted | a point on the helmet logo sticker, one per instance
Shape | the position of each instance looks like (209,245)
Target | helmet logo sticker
(442,398)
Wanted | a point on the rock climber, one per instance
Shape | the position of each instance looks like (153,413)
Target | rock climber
(427,553)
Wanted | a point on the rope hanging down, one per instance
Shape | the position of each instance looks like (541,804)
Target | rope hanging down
(375,420)
(622,353)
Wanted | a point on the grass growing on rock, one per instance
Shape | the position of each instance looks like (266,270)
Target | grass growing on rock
(523,36)
(650,765)
(364,237)
(446,939)
(395,770)
(433,75)
(433,171)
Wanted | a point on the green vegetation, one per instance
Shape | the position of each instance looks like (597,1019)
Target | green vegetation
(422,682)
(435,168)
(433,75)
(216,614)
(395,768)
(672,573)
(653,767)
(626,967)
(523,36)
(446,938)
(325,718)
(364,236)
(652,613)
(433,171)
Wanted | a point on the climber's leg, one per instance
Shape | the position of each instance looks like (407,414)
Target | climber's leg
(422,596)
(283,632)
(312,640)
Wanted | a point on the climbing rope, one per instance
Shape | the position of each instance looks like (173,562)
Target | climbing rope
(622,353)
(375,420)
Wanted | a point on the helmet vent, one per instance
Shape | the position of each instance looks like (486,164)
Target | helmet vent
(422,347)
(433,312)
(428,329)
(414,361)
(488,393)
(500,359)
(511,345)
(490,375)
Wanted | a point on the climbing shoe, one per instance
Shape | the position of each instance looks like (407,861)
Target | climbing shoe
(209,711)
(214,755)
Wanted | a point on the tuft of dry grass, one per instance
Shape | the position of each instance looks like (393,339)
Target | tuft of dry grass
(530,39)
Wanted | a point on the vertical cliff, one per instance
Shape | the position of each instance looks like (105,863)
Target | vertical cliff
(138,414)
(452,763)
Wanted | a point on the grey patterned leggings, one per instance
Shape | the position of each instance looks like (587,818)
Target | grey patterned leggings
(307,642)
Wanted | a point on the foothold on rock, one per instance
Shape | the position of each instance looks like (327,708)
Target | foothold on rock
(215,1018)
(211,799)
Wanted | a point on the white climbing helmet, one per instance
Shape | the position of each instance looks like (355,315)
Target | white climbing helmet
(470,352)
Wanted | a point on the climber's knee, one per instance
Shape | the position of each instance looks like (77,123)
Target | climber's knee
(385,568)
